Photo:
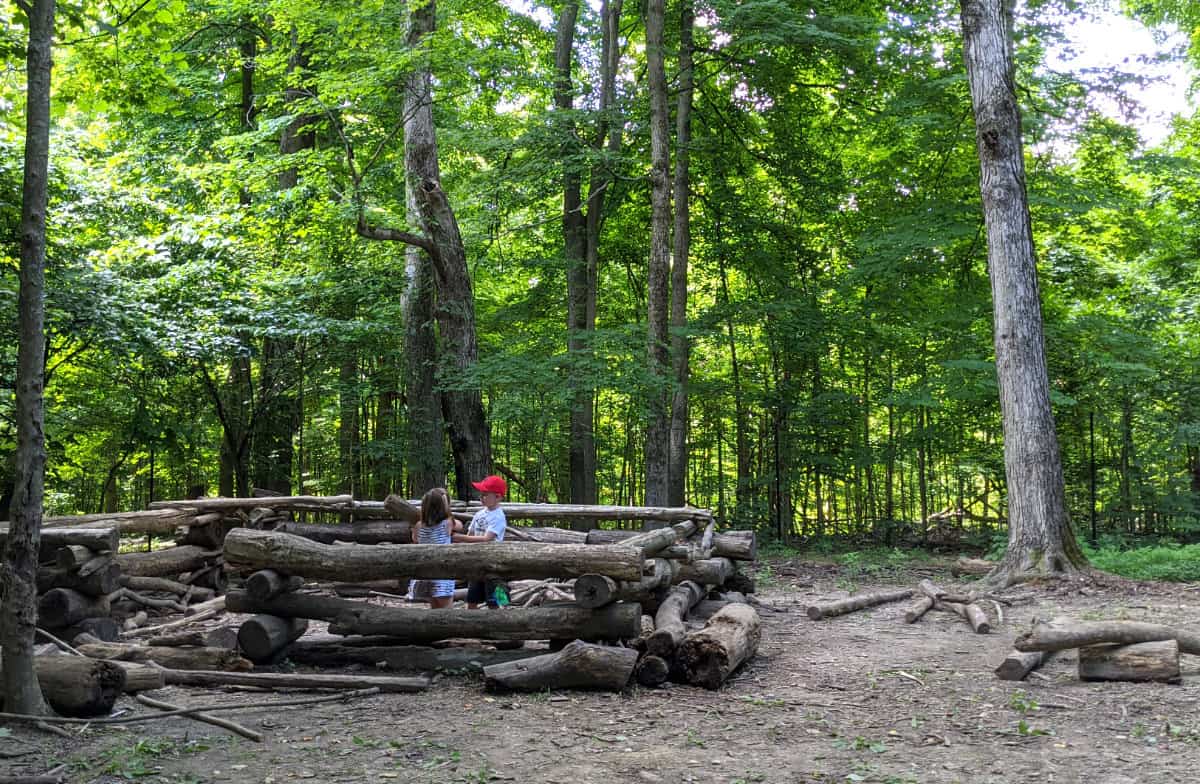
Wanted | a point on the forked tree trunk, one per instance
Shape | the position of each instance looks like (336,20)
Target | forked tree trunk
(18,572)
(1040,539)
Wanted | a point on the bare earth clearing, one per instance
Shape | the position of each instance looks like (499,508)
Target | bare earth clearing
(860,698)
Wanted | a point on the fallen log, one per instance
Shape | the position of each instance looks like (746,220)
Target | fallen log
(62,607)
(248,550)
(138,619)
(1140,662)
(1018,664)
(709,656)
(597,590)
(271,680)
(579,665)
(971,566)
(78,687)
(369,532)
(669,628)
(165,656)
(1079,634)
(401,658)
(128,595)
(545,535)
(234,727)
(652,670)
(735,545)
(73,556)
(142,677)
(711,571)
(267,583)
(405,510)
(101,582)
(104,628)
(417,626)
(853,603)
(973,614)
(263,637)
(332,503)
(918,609)
(167,562)
(651,542)
(52,538)
(136,583)
(290,605)
(140,522)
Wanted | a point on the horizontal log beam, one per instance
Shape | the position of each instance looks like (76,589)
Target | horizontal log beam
(419,626)
(248,550)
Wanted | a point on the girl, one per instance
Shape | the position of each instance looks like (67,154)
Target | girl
(436,527)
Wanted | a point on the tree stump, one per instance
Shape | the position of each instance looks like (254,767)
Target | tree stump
(1144,661)
(264,636)
(707,657)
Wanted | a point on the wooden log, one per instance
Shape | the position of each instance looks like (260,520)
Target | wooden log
(417,626)
(971,566)
(142,677)
(101,582)
(271,680)
(211,534)
(134,621)
(62,607)
(167,562)
(741,582)
(221,637)
(1018,664)
(736,545)
(96,564)
(249,550)
(213,578)
(181,640)
(669,628)
(291,605)
(52,538)
(516,533)
(78,687)
(918,610)
(853,603)
(401,658)
(709,656)
(73,556)
(165,656)
(711,571)
(1057,636)
(579,665)
(136,583)
(403,509)
(367,532)
(141,522)
(103,628)
(1144,661)
(125,594)
(267,583)
(931,590)
(333,503)
(595,590)
(263,637)
(652,670)
(651,542)
(971,613)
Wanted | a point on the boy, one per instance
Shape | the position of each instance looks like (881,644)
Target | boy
(488,525)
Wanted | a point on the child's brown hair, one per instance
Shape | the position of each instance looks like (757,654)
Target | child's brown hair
(435,506)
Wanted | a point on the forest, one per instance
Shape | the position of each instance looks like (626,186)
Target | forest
(736,260)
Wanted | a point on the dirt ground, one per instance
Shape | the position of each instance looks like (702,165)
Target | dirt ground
(860,698)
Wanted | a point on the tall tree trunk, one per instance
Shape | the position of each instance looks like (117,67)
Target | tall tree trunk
(1040,537)
(680,343)
(348,443)
(18,611)
(658,420)
(581,451)
(745,466)
(462,400)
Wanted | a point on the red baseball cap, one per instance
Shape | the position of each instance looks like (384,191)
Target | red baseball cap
(492,484)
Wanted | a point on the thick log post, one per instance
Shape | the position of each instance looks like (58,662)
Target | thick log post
(707,657)
(262,637)
(61,607)
(98,539)
(579,665)
(417,626)
(79,687)
(268,583)
(1144,661)
(852,603)
(650,590)
(101,582)
(1017,665)
(652,670)
(1055,637)
(167,562)
(165,656)
(668,621)
(369,532)
(249,550)
(595,590)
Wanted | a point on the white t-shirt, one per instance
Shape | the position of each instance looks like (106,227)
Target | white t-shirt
(486,520)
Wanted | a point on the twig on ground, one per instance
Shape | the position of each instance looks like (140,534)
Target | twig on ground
(66,647)
(245,732)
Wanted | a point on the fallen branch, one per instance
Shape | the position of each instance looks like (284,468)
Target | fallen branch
(850,604)
(1048,637)
(245,732)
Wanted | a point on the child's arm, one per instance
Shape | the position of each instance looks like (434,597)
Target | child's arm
(469,539)
(416,530)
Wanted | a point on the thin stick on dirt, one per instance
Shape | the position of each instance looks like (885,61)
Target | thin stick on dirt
(245,732)
(860,602)
(188,711)
(150,631)
(62,645)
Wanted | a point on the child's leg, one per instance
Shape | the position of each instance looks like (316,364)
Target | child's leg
(476,594)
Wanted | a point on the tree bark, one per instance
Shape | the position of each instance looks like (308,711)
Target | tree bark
(680,342)
(170,561)
(579,665)
(1145,661)
(1040,538)
(418,626)
(709,656)
(1063,636)
(853,603)
(263,637)
(76,686)
(249,550)
(18,570)
(652,670)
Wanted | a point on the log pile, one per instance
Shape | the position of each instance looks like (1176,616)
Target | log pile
(966,606)
(1111,650)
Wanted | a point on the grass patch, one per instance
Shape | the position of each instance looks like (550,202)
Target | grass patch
(1168,562)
